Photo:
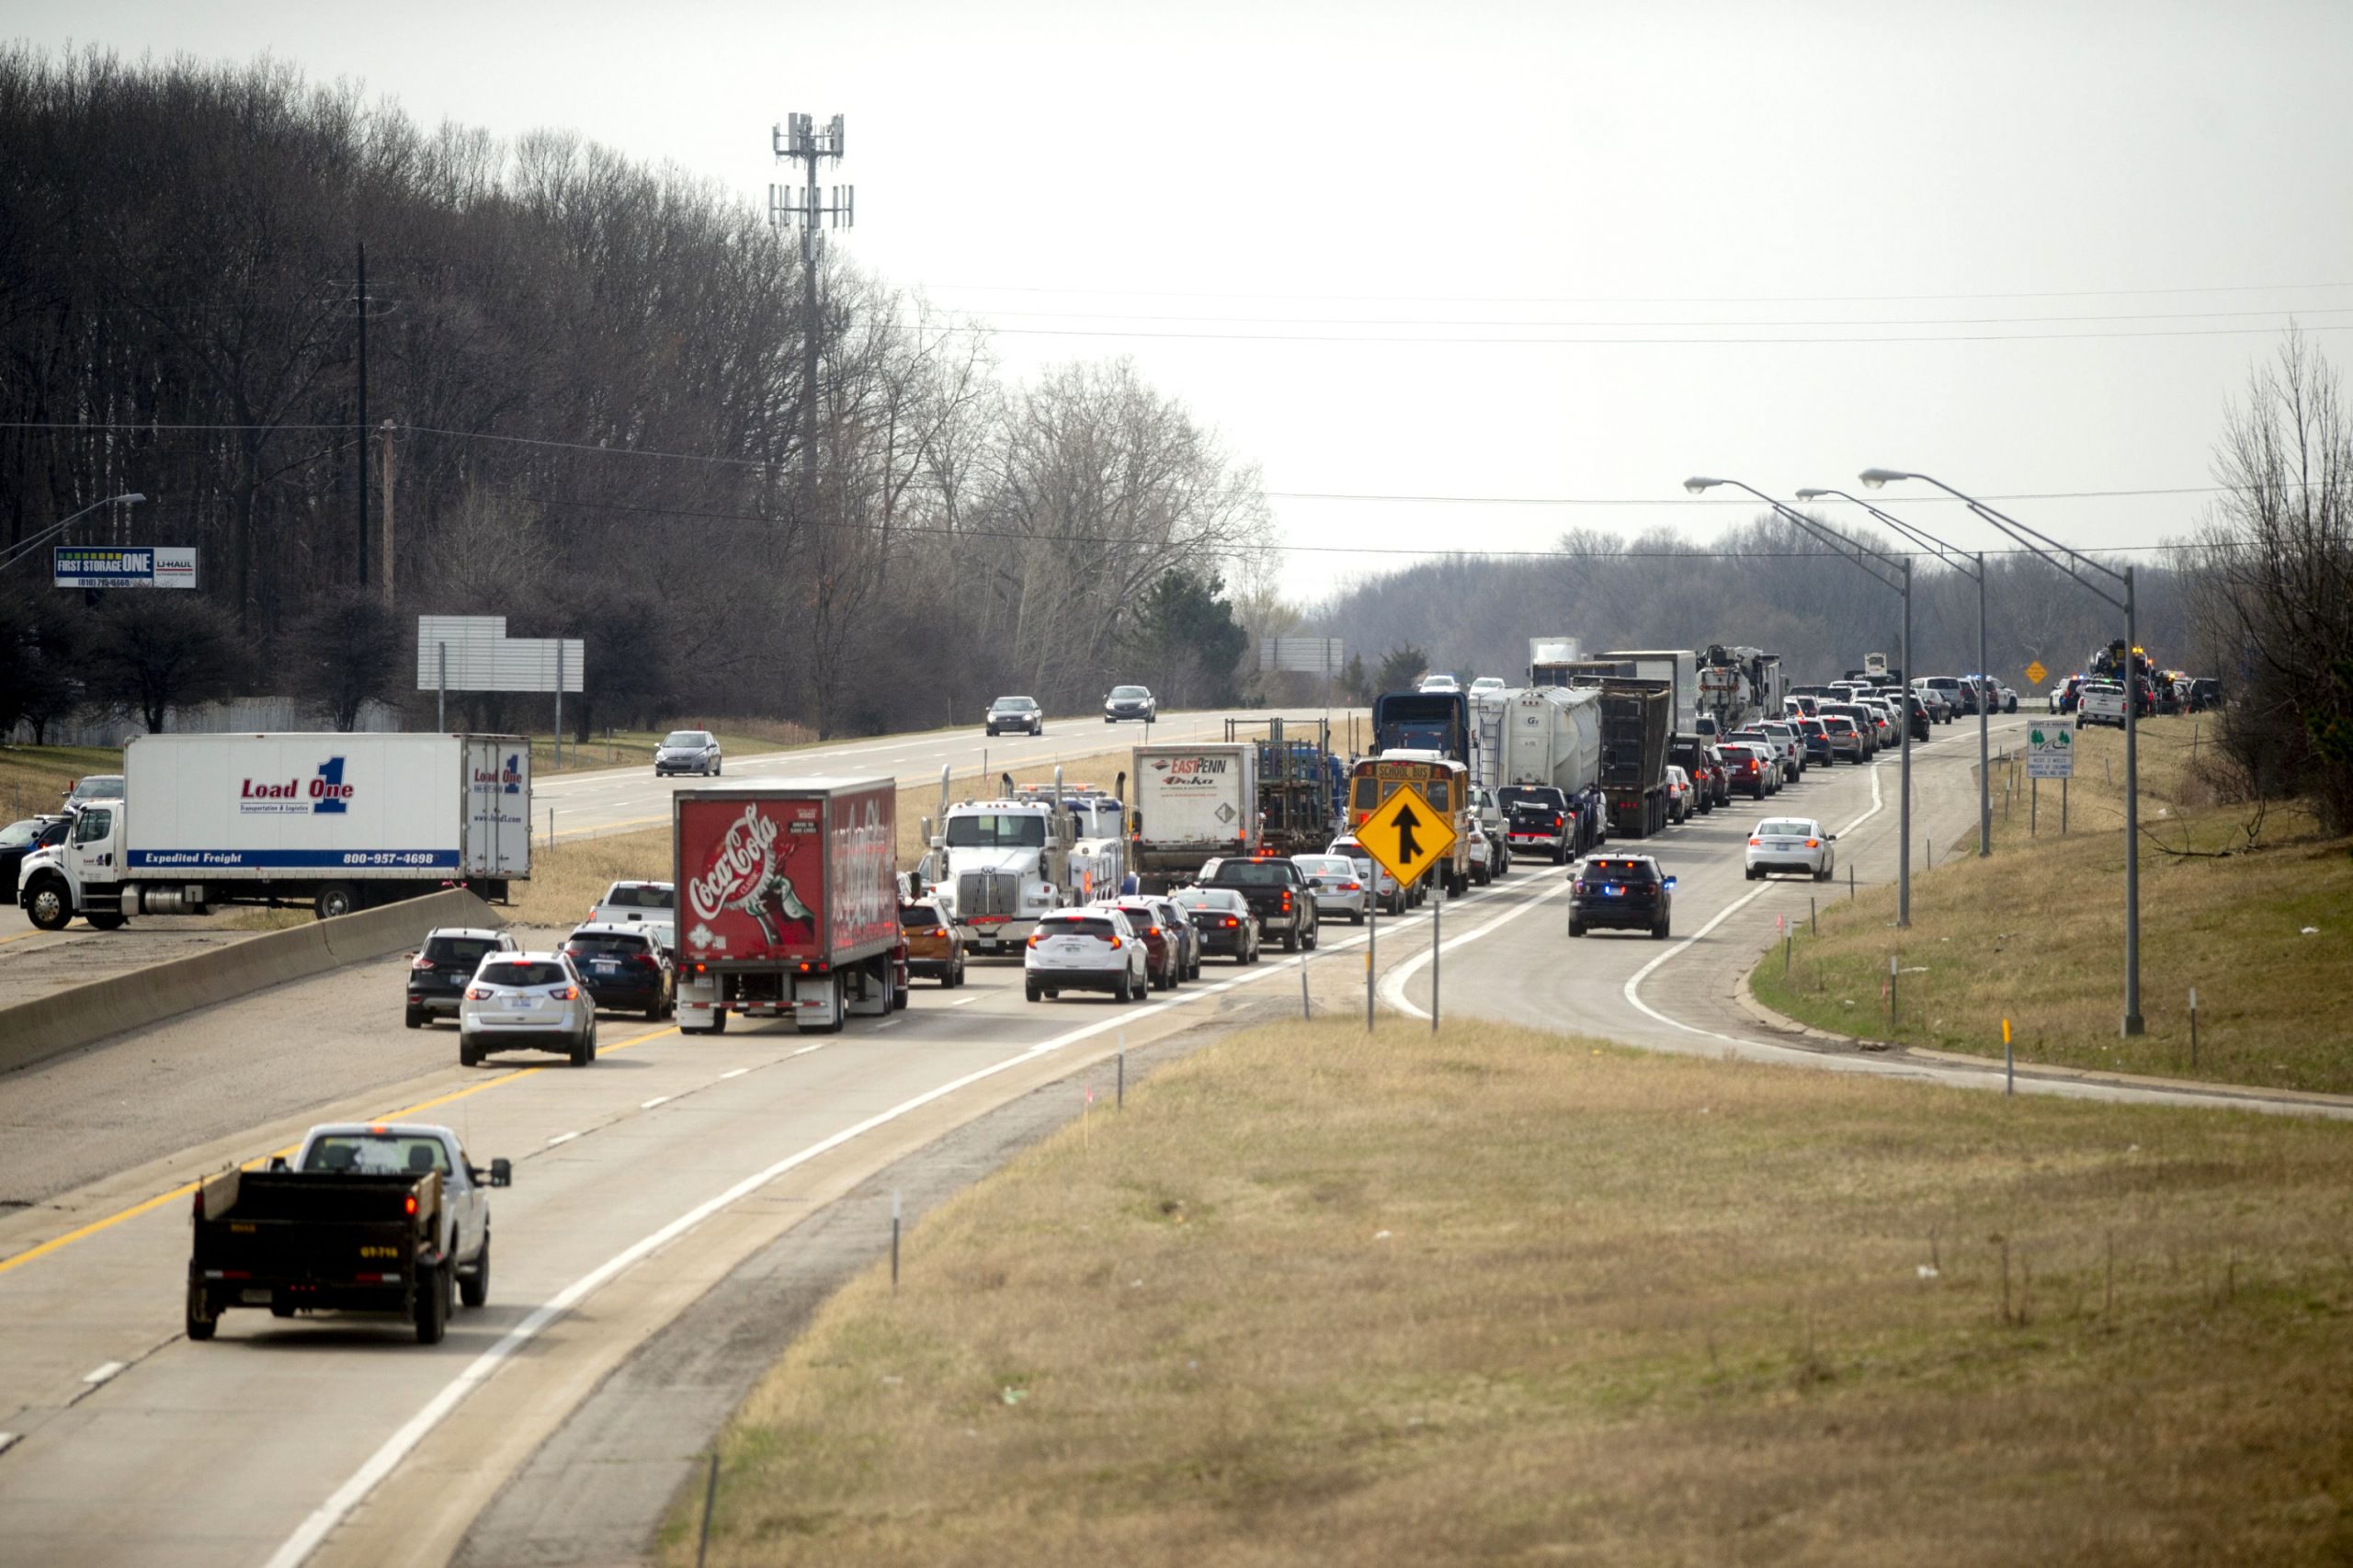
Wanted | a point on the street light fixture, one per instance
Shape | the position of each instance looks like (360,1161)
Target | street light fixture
(1874,564)
(2075,563)
(1974,566)
(130,499)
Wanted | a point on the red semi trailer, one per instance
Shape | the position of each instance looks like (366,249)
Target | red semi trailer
(788,902)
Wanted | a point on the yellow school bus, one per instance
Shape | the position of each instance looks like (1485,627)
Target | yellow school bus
(1443,782)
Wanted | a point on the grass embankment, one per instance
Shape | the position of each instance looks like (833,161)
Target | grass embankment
(1324,1297)
(2036,932)
(34,779)
(572,874)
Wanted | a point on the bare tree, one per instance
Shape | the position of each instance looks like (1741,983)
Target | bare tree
(2273,580)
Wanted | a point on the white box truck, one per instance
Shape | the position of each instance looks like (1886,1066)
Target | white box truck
(338,822)
(1192,803)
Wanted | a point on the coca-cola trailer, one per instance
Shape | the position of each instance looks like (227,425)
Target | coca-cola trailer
(788,902)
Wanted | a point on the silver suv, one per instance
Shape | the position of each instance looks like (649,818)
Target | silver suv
(526,1002)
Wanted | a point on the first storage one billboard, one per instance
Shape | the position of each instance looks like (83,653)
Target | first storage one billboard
(129,566)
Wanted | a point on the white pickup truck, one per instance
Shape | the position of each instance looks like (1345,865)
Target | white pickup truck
(378,1217)
(2101,702)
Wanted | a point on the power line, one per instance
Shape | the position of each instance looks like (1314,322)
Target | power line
(986,315)
(1651,299)
(1710,500)
(1392,338)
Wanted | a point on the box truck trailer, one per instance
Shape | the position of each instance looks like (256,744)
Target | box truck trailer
(338,822)
(788,902)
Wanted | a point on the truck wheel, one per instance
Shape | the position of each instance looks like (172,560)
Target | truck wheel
(51,907)
(1029,990)
(201,1320)
(1314,935)
(474,1288)
(279,1307)
(841,1007)
(433,1305)
(335,899)
(1290,940)
(414,1017)
(105,922)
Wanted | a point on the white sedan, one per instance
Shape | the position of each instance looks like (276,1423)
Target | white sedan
(1791,844)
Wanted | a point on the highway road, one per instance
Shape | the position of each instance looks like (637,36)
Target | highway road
(624,799)
(643,1182)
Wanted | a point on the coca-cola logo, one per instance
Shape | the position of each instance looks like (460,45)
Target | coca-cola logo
(736,865)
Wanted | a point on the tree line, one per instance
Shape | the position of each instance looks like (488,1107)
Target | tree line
(585,401)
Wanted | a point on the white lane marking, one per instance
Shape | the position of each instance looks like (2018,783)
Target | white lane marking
(962,1001)
(736,1073)
(649,1105)
(9,1440)
(562,1138)
(1635,982)
(104,1373)
(890,1023)
(322,1520)
(1392,984)
(807,1049)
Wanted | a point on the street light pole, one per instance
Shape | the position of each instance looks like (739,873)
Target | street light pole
(130,499)
(1893,572)
(2074,563)
(1952,555)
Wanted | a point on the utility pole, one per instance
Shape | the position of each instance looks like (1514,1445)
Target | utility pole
(386,431)
(363,415)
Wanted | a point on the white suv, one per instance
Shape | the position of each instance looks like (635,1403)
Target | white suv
(1791,844)
(526,1002)
(1086,950)
(626,901)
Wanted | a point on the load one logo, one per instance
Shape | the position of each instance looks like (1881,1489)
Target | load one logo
(505,780)
(325,792)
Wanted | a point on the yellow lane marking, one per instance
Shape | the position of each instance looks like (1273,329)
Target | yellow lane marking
(23,935)
(149,1205)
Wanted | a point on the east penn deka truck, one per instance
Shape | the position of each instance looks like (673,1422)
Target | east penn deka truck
(338,822)
(788,902)
(1444,783)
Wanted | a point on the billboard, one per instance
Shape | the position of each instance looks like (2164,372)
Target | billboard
(1304,656)
(125,566)
(473,653)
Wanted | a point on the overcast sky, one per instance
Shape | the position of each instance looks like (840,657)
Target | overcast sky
(2031,248)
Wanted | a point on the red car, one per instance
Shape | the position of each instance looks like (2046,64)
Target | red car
(1162,954)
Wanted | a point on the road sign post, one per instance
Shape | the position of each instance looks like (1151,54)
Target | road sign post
(1407,838)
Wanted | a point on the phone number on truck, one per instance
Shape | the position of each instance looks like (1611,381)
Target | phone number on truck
(393,858)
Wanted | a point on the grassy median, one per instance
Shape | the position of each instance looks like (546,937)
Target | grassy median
(1324,1297)
(2250,904)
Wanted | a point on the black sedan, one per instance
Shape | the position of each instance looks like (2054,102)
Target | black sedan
(1621,893)
(19,839)
(1222,917)
(624,966)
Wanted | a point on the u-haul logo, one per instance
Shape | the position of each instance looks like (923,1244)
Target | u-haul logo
(322,794)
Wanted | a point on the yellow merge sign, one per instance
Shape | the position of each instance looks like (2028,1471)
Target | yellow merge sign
(1405,835)
(2035,672)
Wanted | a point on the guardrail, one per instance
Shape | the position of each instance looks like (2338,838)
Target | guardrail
(64,1020)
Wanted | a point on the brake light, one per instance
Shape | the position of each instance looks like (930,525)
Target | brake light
(409,1203)
(566,994)
(1037,937)
(1556,821)
(1813,844)
(477,994)
(1286,898)
(1755,841)
(1352,887)
(1231,923)
(1117,944)
(420,961)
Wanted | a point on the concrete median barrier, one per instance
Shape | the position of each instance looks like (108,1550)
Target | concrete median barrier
(50,1026)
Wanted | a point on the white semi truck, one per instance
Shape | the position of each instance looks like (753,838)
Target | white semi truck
(337,822)
(995,865)
(1193,803)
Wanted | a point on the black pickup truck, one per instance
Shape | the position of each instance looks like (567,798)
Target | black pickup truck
(335,1234)
(1278,893)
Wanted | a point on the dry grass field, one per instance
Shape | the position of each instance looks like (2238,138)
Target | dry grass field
(2258,919)
(1321,1297)
(569,876)
(35,778)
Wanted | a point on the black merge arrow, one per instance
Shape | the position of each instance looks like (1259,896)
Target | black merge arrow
(1407,850)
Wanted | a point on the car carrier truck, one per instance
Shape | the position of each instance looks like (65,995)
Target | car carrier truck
(788,902)
(338,822)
